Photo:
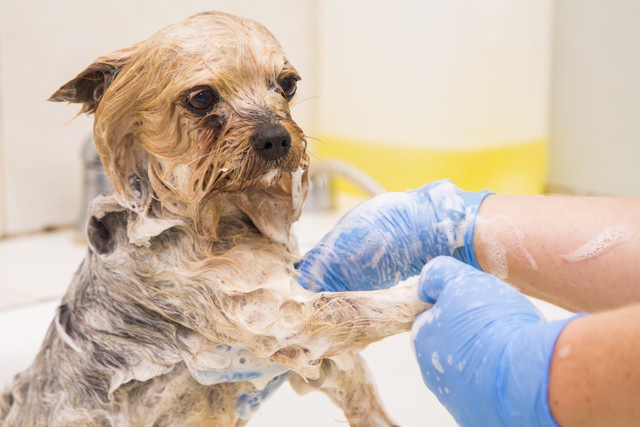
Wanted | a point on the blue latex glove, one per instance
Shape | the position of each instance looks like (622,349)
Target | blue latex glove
(391,237)
(484,349)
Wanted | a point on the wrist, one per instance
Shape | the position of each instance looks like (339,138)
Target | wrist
(466,251)
(526,364)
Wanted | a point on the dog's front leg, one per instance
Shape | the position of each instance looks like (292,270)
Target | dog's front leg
(351,389)
(306,327)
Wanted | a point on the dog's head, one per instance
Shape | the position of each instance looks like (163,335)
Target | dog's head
(196,119)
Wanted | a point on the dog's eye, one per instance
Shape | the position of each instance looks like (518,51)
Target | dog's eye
(288,84)
(200,100)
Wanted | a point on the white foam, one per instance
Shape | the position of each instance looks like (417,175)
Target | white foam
(564,351)
(445,197)
(271,177)
(448,228)
(297,196)
(607,239)
(445,194)
(426,318)
(497,260)
(377,256)
(509,240)
(435,361)
(223,363)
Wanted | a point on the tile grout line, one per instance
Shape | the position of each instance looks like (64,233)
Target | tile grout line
(28,304)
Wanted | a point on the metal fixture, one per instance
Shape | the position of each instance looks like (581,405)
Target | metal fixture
(321,175)
(94,181)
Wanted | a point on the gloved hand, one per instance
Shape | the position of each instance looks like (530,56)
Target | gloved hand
(390,237)
(484,349)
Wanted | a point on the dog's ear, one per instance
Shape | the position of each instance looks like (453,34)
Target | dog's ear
(88,87)
(105,234)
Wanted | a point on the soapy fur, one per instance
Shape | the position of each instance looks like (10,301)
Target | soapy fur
(186,310)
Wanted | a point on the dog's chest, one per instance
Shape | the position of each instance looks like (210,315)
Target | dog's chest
(257,290)
(258,294)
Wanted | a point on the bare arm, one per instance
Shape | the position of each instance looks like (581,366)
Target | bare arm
(581,253)
(595,374)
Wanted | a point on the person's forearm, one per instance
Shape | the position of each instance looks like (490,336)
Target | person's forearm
(582,253)
(595,374)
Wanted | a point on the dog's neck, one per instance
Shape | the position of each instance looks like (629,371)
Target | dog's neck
(274,210)
(271,208)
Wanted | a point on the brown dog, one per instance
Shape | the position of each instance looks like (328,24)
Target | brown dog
(186,310)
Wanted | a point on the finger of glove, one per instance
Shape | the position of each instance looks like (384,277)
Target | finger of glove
(350,259)
(459,288)
(438,274)
(323,267)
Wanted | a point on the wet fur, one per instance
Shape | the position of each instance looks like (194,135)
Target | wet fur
(194,251)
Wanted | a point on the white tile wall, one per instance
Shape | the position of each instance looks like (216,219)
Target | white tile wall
(38,267)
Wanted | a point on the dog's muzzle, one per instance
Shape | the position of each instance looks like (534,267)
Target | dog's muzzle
(271,141)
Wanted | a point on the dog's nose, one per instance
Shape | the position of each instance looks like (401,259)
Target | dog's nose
(271,141)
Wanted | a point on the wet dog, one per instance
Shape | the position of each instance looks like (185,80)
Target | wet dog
(186,310)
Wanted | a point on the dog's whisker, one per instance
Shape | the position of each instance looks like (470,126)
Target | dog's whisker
(298,102)
(314,139)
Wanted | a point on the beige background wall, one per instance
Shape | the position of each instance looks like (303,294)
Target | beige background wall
(595,114)
(443,74)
